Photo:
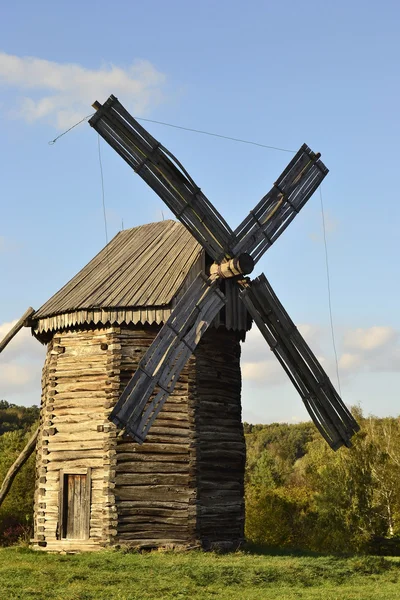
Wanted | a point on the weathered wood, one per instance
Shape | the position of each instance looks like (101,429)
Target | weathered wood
(220,450)
(16,328)
(325,407)
(163,362)
(184,476)
(16,466)
(165,175)
(279,206)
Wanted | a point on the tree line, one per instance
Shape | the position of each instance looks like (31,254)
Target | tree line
(299,493)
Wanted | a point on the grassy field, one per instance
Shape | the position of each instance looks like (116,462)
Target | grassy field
(195,575)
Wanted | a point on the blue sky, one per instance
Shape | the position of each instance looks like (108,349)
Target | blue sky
(276,73)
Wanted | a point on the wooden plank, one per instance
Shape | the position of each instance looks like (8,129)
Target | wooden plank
(22,322)
(87,504)
(61,506)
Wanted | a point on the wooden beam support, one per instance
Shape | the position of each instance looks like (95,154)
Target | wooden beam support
(18,325)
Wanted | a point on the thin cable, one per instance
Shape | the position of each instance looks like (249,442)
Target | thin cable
(103,201)
(225,137)
(76,124)
(328,280)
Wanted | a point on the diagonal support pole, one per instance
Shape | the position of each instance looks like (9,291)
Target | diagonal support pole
(23,321)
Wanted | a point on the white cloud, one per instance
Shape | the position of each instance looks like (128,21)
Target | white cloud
(14,376)
(331,226)
(373,349)
(63,93)
(259,364)
(21,364)
(369,339)
(349,362)
(266,371)
(22,345)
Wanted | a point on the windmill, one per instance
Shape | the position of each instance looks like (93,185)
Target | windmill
(157,315)
(234,253)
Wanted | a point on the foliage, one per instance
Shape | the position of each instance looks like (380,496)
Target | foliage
(16,513)
(300,494)
(13,417)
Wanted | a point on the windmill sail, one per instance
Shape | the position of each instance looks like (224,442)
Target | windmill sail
(278,208)
(165,175)
(330,415)
(160,368)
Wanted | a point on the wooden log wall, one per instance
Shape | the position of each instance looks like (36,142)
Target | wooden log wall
(183,486)
(215,392)
(155,485)
(80,384)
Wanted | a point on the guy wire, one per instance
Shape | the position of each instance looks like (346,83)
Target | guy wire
(328,280)
(103,202)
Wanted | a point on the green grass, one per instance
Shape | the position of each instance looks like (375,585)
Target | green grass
(195,575)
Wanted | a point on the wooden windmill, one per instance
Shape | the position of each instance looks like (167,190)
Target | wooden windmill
(234,253)
(160,313)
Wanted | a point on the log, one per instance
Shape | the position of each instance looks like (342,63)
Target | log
(16,466)
(14,330)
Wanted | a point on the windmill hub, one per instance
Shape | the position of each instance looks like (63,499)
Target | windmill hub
(241,265)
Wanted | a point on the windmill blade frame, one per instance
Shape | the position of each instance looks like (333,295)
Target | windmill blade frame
(275,211)
(161,366)
(165,175)
(324,405)
(234,253)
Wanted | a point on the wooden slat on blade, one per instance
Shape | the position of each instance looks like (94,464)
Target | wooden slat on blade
(165,175)
(163,362)
(175,167)
(277,209)
(320,398)
(171,370)
(190,212)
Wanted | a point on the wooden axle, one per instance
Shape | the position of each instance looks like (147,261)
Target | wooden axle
(241,265)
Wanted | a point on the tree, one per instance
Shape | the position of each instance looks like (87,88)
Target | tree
(16,513)
(13,417)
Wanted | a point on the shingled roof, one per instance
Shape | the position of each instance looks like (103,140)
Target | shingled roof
(137,278)
(140,267)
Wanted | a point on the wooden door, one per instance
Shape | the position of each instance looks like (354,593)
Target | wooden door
(75,506)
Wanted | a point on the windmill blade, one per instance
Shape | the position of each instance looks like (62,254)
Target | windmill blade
(164,173)
(278,208)
(160,368)
(320,398)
